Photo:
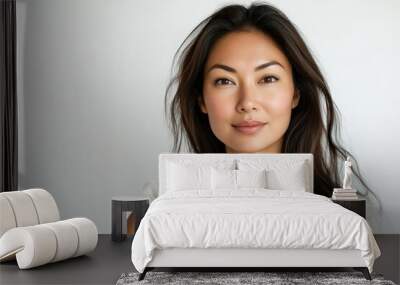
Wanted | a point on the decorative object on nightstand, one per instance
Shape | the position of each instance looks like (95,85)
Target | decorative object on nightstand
(346,192)
(150,189)
(348,173)
(127,212)
(355,205)
(347,196)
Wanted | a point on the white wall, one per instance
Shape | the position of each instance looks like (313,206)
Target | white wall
(92,76)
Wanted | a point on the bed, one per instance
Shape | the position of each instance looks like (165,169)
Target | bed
(244,211)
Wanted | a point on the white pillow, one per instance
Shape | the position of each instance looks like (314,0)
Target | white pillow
(280,174)
(251,178)
(184,177)
(223,178)
(293,178)
(236,179)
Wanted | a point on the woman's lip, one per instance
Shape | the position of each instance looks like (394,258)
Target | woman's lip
(249,129)
(249,124)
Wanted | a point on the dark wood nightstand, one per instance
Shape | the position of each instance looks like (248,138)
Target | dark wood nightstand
(356,205)
(136,204)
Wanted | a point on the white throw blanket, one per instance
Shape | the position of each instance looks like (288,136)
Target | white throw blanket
(250,218)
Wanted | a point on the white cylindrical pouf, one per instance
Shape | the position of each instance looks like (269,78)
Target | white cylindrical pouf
(87,233)
(33,245)
(45,205)
(7,218)
(40,244)
(67,239)
(23,208)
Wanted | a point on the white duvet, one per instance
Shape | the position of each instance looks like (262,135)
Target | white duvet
(250,218)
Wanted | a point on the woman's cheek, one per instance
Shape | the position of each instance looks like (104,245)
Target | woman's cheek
(278,104)
(220,112)
(280,113)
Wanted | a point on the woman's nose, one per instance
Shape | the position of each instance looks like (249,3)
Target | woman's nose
(247,99)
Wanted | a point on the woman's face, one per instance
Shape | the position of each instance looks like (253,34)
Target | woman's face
(247,78)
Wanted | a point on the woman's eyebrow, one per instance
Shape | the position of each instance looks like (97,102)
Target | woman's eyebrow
(265,65)
(231,69)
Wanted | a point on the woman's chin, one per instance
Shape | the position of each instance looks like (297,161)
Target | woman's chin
(245,149)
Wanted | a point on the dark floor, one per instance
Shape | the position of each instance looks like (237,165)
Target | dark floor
(111,259)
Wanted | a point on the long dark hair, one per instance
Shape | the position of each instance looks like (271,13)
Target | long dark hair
(307,132)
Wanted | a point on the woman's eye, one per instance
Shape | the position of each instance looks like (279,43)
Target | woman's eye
(222,81)
(269,79)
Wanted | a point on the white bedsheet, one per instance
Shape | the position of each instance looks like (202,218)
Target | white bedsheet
(250,218)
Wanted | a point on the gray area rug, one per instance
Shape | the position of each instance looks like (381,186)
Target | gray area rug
(225,278)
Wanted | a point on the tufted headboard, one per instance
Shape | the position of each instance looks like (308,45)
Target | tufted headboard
(230,161)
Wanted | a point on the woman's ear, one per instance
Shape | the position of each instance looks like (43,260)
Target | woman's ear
(296,98)
(202,105)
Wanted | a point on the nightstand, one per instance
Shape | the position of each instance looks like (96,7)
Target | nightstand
(356,205)
(138,205)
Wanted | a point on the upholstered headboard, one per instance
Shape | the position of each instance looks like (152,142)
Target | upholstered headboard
(230,161)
